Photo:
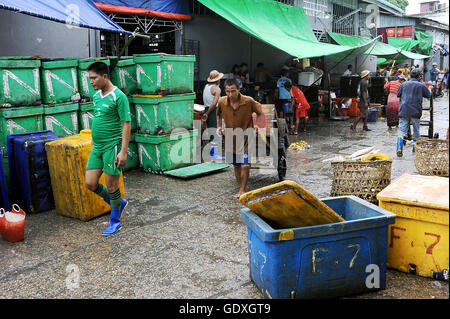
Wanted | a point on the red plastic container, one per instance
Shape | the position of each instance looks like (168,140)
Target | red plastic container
(12,224)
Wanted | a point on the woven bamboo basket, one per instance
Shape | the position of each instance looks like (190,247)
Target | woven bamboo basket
(364,179)
(431,157)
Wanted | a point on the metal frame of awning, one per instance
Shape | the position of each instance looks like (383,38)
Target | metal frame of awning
(145,23)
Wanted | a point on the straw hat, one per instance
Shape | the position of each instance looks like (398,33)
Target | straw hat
(215,76)
(364,73)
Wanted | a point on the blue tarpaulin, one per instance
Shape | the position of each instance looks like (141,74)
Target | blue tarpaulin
(169,9)
(82,13)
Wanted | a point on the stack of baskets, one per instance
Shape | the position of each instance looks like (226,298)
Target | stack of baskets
(431,157)
(364,179)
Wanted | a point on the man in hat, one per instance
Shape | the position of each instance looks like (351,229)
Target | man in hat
(411,94)
(363,101)
(211,95)
(434,73)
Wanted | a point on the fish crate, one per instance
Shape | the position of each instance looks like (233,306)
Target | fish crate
(322,261)
(419,239)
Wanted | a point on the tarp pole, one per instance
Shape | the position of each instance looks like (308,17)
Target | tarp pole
(130,39)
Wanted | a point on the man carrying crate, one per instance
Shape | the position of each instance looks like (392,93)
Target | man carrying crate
(111,131)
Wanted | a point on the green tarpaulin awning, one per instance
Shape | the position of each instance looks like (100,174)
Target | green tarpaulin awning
(282,26)
(380,49)
(402,43)
(425,41)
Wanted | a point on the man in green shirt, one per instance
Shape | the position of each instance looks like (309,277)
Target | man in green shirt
(110,135)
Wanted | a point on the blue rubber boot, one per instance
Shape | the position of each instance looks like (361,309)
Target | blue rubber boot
(414,144)
(114,220)
(399,146)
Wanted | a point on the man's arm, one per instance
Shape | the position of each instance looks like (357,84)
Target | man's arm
(426,92)
(219,120)
(121,158)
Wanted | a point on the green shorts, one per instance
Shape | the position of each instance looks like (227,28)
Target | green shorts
(104,160)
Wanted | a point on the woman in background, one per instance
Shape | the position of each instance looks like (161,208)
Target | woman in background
(393,101)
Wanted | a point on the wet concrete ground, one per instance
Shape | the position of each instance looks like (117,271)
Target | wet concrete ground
(185,238)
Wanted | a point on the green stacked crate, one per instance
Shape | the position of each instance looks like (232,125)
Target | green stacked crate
(62,119)
(124,75)
(85,115)
(59,81)
(160,73)
(163,153)
(165,111)
(19,82)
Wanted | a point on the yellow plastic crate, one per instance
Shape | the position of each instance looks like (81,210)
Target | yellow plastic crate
(67,159)
(419,239)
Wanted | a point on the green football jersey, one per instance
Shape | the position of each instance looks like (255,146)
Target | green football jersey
(109,113)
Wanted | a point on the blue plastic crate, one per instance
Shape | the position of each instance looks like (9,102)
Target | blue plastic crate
(324,261)
(373,115)
(29,172)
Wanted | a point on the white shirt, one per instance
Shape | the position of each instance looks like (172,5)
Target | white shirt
(347,72)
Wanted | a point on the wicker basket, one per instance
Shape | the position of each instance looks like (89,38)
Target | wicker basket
(360,178)
(431,157)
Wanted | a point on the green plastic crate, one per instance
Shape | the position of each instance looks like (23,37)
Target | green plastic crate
(132,154)
(85,115)
(62,119)
(59,80)
(19,82)
(164,74)
(163,153)
(23,119)
(124,75)
(169,112)
(84,84)
(133,114)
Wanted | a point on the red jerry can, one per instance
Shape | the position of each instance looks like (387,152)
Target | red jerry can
(12,224)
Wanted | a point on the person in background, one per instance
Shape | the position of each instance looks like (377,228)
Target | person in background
(235,74)
(302,107)
(261,74)
(289,108)
(211,95)
(243,73)
(411,94)
(393,101)
(363,101)
(446,80)
(387,72)
(434,73)
(284,96)
(348,72)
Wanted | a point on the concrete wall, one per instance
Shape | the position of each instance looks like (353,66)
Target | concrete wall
(222,45)
(21,34)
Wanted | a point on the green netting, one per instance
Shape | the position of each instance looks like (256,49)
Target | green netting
(283,26)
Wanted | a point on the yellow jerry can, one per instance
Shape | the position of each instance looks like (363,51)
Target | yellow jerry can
(418,242)
(67,158)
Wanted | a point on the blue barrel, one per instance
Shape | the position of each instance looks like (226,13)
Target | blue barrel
(323,261)
(4,199)
(29,172)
